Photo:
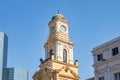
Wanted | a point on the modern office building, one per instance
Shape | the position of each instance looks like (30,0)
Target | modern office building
(58,63)
(106,59)
(15,74)
(9,73)
(3,52)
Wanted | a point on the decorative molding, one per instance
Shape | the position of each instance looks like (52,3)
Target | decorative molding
(106,45)
(60,62)
(113,58)
(115,67)
(55,20)
(100,72)
(66,76)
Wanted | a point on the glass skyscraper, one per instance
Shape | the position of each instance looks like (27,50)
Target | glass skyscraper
(3,53)
(9,73)
(15,74)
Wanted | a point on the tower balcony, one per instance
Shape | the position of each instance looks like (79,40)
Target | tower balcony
(51,58)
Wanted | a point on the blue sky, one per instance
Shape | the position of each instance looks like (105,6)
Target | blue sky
(91,23)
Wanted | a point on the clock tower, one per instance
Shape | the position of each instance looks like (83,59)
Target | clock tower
(58,63)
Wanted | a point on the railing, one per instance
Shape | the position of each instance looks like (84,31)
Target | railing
(52,58)
(43,61)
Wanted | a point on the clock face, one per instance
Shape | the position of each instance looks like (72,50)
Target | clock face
(53,29)
(62,29)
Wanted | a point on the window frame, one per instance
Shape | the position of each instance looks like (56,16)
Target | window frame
(99,57)
(65,55)
(101,78)
(116,76)
(115,51)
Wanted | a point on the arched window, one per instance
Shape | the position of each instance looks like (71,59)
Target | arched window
(50,53)
(64,55)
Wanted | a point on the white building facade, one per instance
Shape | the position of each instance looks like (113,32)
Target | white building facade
(106,59)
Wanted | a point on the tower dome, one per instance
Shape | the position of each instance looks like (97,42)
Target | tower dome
(58,15)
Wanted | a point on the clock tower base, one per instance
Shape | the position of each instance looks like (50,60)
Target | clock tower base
(56,70)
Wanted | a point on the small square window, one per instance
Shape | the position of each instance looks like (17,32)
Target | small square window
(117,76)
(115,51)
(101,78)
(99,57)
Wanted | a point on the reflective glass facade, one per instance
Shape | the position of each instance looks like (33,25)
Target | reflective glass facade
(15,74)
(3,53)
(9,73)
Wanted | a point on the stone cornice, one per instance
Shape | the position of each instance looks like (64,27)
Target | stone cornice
(67,64)
(55,20)
(106,45)
(60,62)
(58,37)
(70,77)
(107,61)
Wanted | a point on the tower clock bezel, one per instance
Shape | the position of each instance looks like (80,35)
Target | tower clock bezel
(52,29)
(63,28)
